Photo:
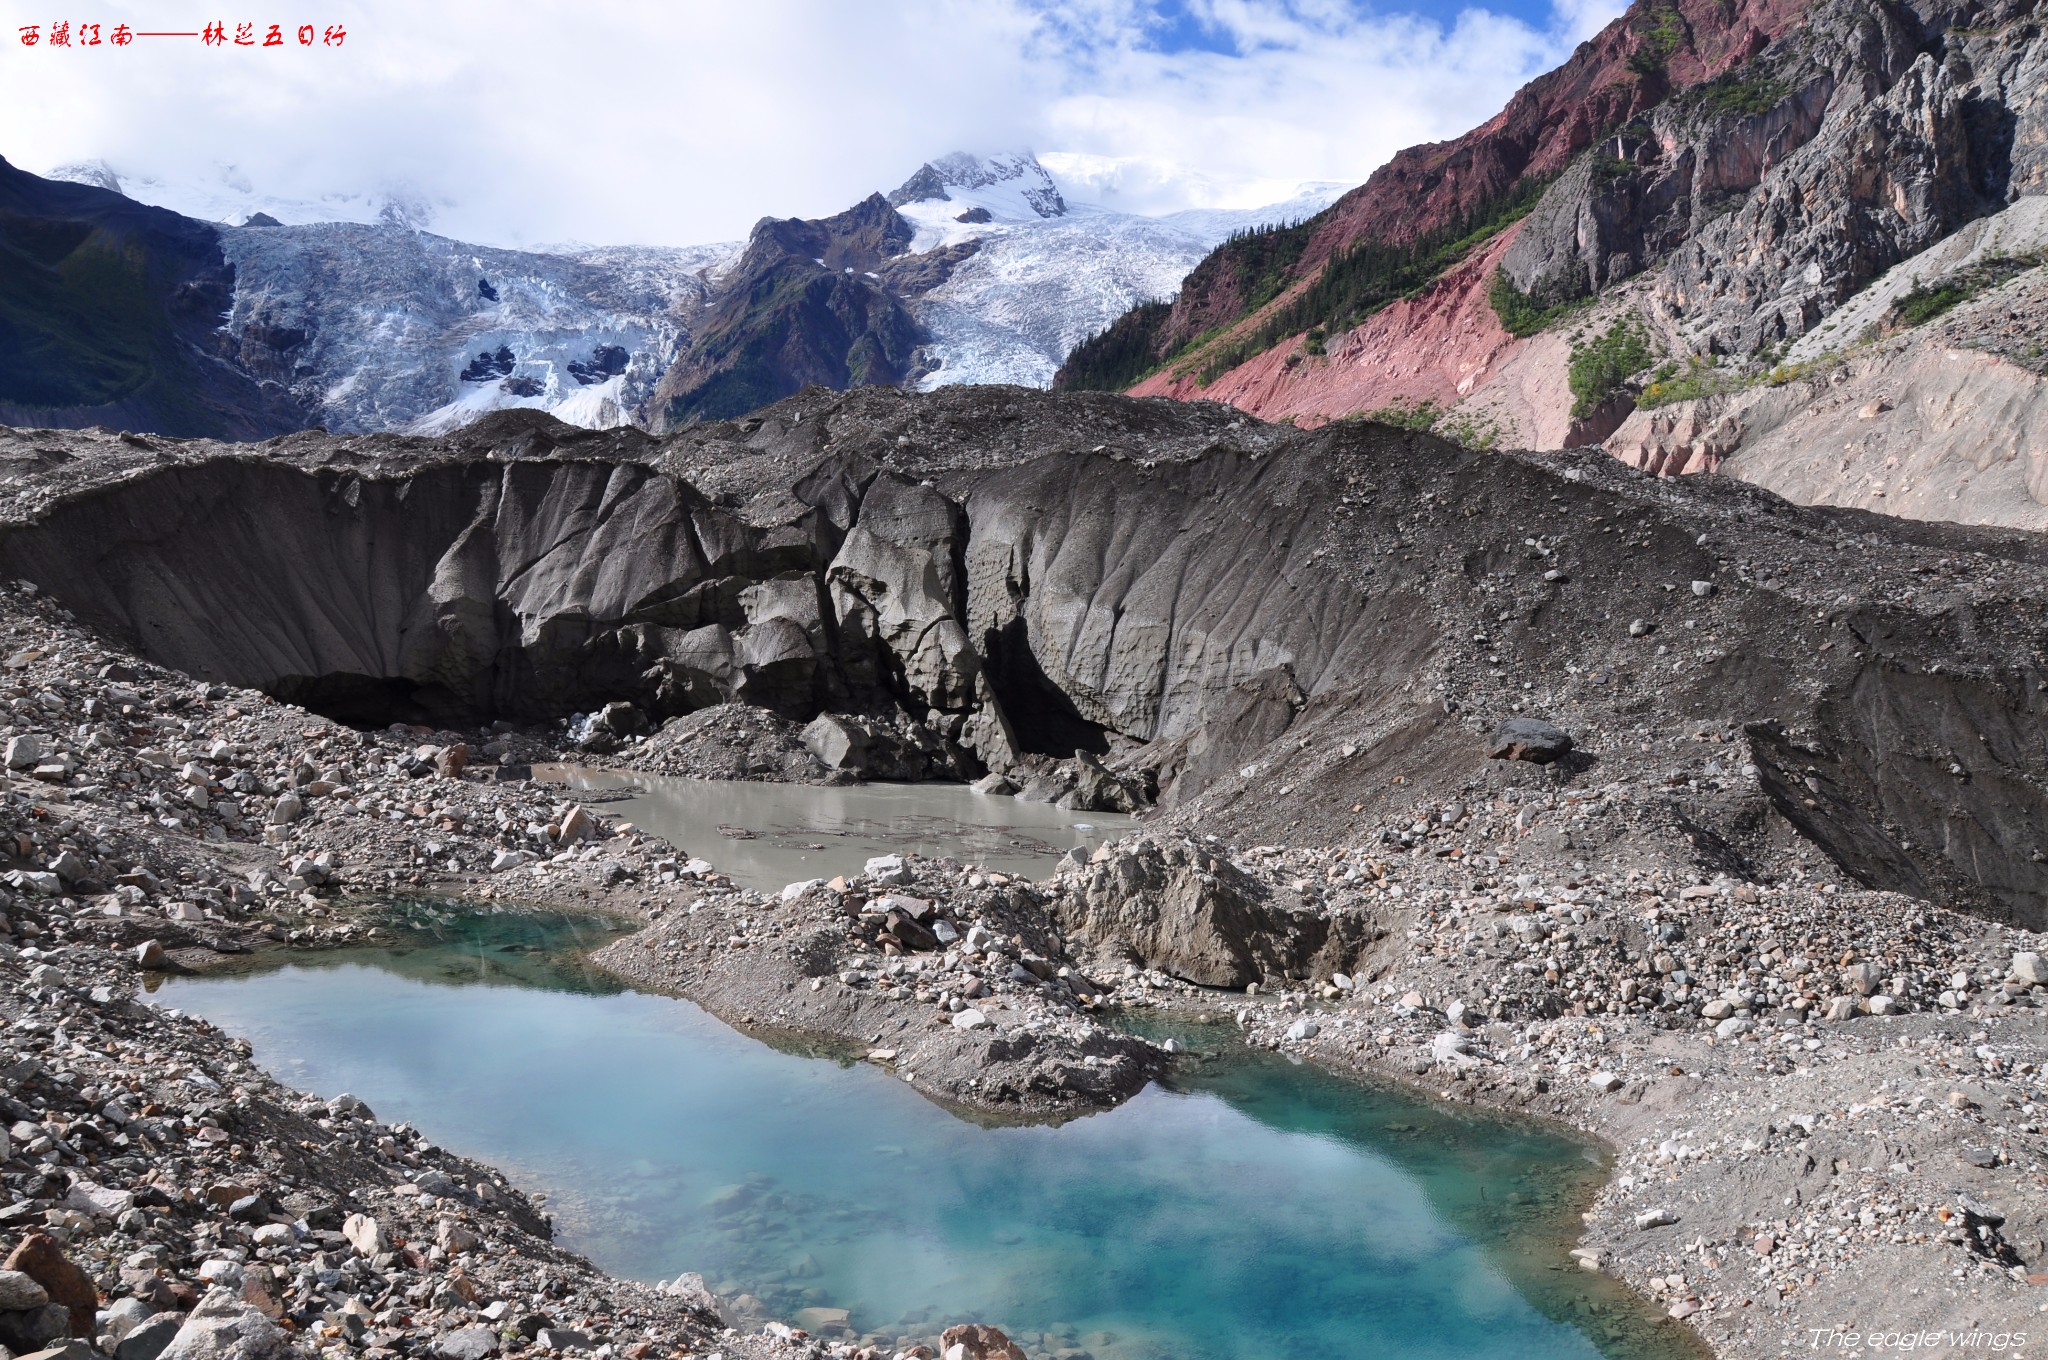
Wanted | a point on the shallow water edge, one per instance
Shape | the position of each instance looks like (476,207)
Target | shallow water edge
(533,953)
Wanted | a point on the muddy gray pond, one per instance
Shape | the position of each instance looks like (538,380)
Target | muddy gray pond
(767,835)
(1251,1209)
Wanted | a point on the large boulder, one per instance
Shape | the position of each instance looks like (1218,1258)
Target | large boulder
(1193,914)
(838,743)
(1530,739)
(691,1289)
(895,746)
(25,1331)
(778,664)
(42,1260)
(148,1339)
(223,1327)
(1097,790)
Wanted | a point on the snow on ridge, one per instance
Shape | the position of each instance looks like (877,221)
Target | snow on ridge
(1218,223)
(1012,311)
(394,315)
(1004,190)
(229,198)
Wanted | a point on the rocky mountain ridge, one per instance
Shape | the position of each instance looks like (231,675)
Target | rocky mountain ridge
(1714,243)
(981,272)
(109,314)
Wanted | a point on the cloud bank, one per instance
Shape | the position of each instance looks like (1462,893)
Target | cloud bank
(679,121)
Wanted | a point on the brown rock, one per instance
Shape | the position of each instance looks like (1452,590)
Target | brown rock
(225,1193)
(259,1298)
(908,932)
(977,1342)
(452,761)
(42,1260)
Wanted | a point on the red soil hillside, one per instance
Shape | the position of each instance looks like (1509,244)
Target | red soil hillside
(1433,348)
(1425,347)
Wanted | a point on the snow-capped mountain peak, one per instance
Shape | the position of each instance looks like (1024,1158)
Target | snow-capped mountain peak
(225,195)
(97,173)
(1012,186)
(954,198)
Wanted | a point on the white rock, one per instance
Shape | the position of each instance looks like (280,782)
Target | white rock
(288,808)
(1304,1028)
(1604,1082)
(561,1339)
(100,1201)
(2029,969)
(887,869)
(23,753)
(223,1327)
(365,1234)
(1734,1026)
(1655,1218)
(971,1018)
(221,1271)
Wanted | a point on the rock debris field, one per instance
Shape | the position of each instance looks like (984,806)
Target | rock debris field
(1725,935)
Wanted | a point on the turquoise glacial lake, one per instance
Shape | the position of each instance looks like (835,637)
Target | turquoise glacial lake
(1252,1209)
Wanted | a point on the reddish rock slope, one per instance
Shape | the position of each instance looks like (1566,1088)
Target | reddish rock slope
(1433,348)
(1423,349)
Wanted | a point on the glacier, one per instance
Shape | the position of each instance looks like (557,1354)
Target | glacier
(374,323)
(1046,277)
(374,327)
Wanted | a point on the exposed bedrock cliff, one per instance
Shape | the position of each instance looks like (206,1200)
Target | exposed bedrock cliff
(1772,195)
(1286,630)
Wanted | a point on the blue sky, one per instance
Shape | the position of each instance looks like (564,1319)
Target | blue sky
(680,121)
(1177,26)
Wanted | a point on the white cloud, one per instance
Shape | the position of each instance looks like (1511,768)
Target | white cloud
(1319,92)
(676,121)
